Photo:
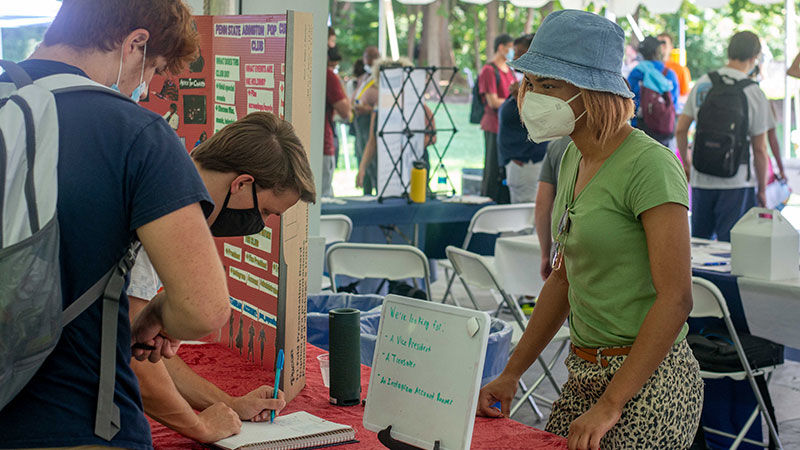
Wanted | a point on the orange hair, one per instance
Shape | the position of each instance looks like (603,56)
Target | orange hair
(104,24)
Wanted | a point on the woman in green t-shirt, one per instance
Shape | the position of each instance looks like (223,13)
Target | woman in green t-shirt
(621,253)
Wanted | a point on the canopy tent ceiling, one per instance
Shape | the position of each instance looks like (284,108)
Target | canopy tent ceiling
(619,8)
(28,12)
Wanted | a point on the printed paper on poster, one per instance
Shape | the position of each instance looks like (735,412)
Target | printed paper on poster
(276,29)
(239,30)
(226,68)
(257,46)
(225,92)
(259,100)
(233,252)
(259,75)
(256,261)
(223,115)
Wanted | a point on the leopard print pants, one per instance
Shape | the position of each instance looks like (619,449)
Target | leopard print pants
(664,414)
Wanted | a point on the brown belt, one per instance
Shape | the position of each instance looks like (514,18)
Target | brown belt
(593,354)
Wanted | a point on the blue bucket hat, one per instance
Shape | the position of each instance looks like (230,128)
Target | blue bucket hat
(580,48)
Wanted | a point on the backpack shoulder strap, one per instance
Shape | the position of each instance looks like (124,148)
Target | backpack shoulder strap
(744,83)
(496,77)
(107,416)
(18,76)
(67,82)
(716,79)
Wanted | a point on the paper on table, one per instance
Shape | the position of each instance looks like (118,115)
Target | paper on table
(469,199)
(291,426)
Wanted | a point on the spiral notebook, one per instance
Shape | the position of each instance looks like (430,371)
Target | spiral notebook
(296,430)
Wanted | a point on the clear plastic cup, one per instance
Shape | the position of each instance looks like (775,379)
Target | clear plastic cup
(324,367)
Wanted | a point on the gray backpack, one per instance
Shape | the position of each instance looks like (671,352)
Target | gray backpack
(31,306)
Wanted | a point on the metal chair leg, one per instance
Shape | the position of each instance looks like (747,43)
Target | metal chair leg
(536,410)
(450,279)
(469,294)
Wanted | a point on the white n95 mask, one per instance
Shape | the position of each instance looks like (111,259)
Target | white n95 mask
(546,117)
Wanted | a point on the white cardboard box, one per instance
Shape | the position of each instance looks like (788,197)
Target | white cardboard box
(765,245)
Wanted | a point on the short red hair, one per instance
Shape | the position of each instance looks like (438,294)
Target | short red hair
(104,24)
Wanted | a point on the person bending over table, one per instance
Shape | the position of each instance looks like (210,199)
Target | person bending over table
(621,269)
(252,168)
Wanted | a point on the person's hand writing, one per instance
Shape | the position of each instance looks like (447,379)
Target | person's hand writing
(257,404)
(586,431)
(148,338)
(501,389)
(218,421)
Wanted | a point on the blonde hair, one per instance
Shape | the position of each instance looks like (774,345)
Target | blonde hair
(606,113)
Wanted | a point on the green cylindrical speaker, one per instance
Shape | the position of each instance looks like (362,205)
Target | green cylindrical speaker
(344,325)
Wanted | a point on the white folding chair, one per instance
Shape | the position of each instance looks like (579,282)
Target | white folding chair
(478,271)
(493,219)
(390,261)
(335,228)
(709,302)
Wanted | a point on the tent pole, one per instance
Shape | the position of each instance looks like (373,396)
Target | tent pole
(392,29)
(682,40)
(382,28)
(790,47)
(635,27)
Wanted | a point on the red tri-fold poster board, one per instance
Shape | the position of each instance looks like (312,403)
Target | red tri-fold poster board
(246,64)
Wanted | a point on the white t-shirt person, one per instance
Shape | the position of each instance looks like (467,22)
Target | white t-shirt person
(144,282)
(760,121)
(172,119)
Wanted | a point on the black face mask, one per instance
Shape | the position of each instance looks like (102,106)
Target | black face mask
(238,222)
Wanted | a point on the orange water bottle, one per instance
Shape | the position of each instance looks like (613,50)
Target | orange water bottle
(419,178)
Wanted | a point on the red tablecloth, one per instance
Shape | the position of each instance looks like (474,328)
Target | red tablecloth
(236,376)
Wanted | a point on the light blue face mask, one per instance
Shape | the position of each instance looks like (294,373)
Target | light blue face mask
(137,93)
(510,54)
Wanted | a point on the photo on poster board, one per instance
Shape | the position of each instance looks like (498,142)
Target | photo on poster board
(427,365)
(194,109)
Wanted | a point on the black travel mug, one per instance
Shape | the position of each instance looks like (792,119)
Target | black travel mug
(344,325)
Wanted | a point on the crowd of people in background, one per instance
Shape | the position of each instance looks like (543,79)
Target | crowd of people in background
(515,168)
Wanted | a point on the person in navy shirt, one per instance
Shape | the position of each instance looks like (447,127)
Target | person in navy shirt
(122,174)
(521,157)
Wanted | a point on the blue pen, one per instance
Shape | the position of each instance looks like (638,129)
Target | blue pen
(716,263)
(278,369)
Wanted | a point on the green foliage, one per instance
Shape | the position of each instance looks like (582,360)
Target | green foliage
(19,43)
(707,34)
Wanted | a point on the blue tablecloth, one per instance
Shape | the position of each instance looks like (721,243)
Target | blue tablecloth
(440,223)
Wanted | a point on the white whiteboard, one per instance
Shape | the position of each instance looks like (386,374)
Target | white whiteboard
(397,152)
(426,372)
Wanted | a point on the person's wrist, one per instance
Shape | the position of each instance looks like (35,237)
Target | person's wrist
(198,429)
(610,402)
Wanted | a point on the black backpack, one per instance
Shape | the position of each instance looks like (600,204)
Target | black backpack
(478,101)
(722,139)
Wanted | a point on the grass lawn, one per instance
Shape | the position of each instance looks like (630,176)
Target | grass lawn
(465,150)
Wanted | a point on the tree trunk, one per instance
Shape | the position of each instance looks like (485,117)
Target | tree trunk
(504,18)
(491,28)
(447,57)
(529,21)
(429,50)
(476,40)
(547,9)
(413,17)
